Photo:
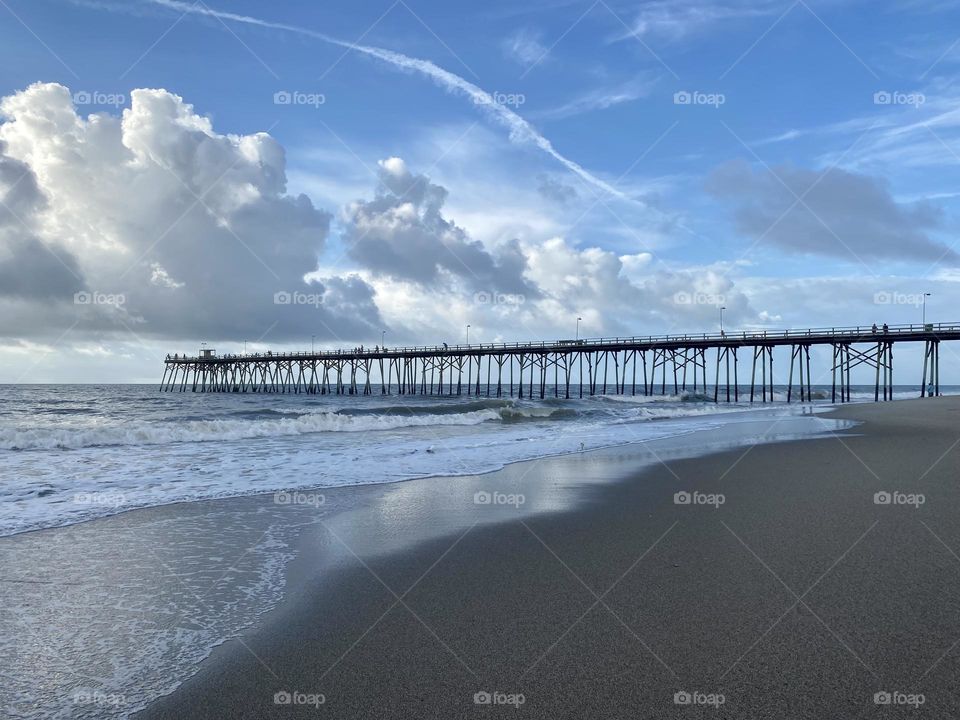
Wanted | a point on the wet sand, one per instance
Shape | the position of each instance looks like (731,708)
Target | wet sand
(783,589)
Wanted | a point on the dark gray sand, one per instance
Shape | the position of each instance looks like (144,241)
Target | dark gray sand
(800,596)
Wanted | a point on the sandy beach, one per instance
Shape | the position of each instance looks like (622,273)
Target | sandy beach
(813,578)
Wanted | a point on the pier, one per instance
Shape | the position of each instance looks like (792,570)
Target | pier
(640,365)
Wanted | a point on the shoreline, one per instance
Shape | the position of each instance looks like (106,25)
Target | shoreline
(752,414)
(326,611)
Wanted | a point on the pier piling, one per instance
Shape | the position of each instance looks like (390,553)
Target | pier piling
(602,366)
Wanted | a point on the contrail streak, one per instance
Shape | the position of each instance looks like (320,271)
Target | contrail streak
(520,129)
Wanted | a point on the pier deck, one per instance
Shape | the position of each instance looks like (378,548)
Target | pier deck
(667,362)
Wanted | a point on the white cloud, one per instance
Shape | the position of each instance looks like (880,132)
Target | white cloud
(402,233)
(160,277)
(601,98)
(127,210)
(525,48)
(674,20)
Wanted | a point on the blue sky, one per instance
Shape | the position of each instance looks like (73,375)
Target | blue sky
(813,170)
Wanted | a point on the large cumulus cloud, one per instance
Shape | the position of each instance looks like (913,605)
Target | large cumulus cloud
(402,233)
(432,279)
(613,294)
(192,227)
(29,268)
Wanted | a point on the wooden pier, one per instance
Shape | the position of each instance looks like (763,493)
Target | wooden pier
(617,365)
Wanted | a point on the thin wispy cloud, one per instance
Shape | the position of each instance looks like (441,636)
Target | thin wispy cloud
(673,20)
(525,48)
(521,131)
(600,98)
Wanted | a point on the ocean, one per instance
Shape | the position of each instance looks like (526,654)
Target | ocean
(100,618)
(76,452)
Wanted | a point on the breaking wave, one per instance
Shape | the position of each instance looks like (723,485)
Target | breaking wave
(251,424)
(48,438)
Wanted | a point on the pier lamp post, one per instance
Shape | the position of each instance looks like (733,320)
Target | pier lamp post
(923,311)
(468,334)
(721,318)
(244,347)
(312,338)
(383,334)
(578,327)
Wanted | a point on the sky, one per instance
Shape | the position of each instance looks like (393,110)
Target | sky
(281,175)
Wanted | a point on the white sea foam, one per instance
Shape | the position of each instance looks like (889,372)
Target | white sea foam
(121,618)
(142,433)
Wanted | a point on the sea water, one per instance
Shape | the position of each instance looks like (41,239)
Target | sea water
(101,618)
(70,453)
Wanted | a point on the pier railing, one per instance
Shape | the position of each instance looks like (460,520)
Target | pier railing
(819,335)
